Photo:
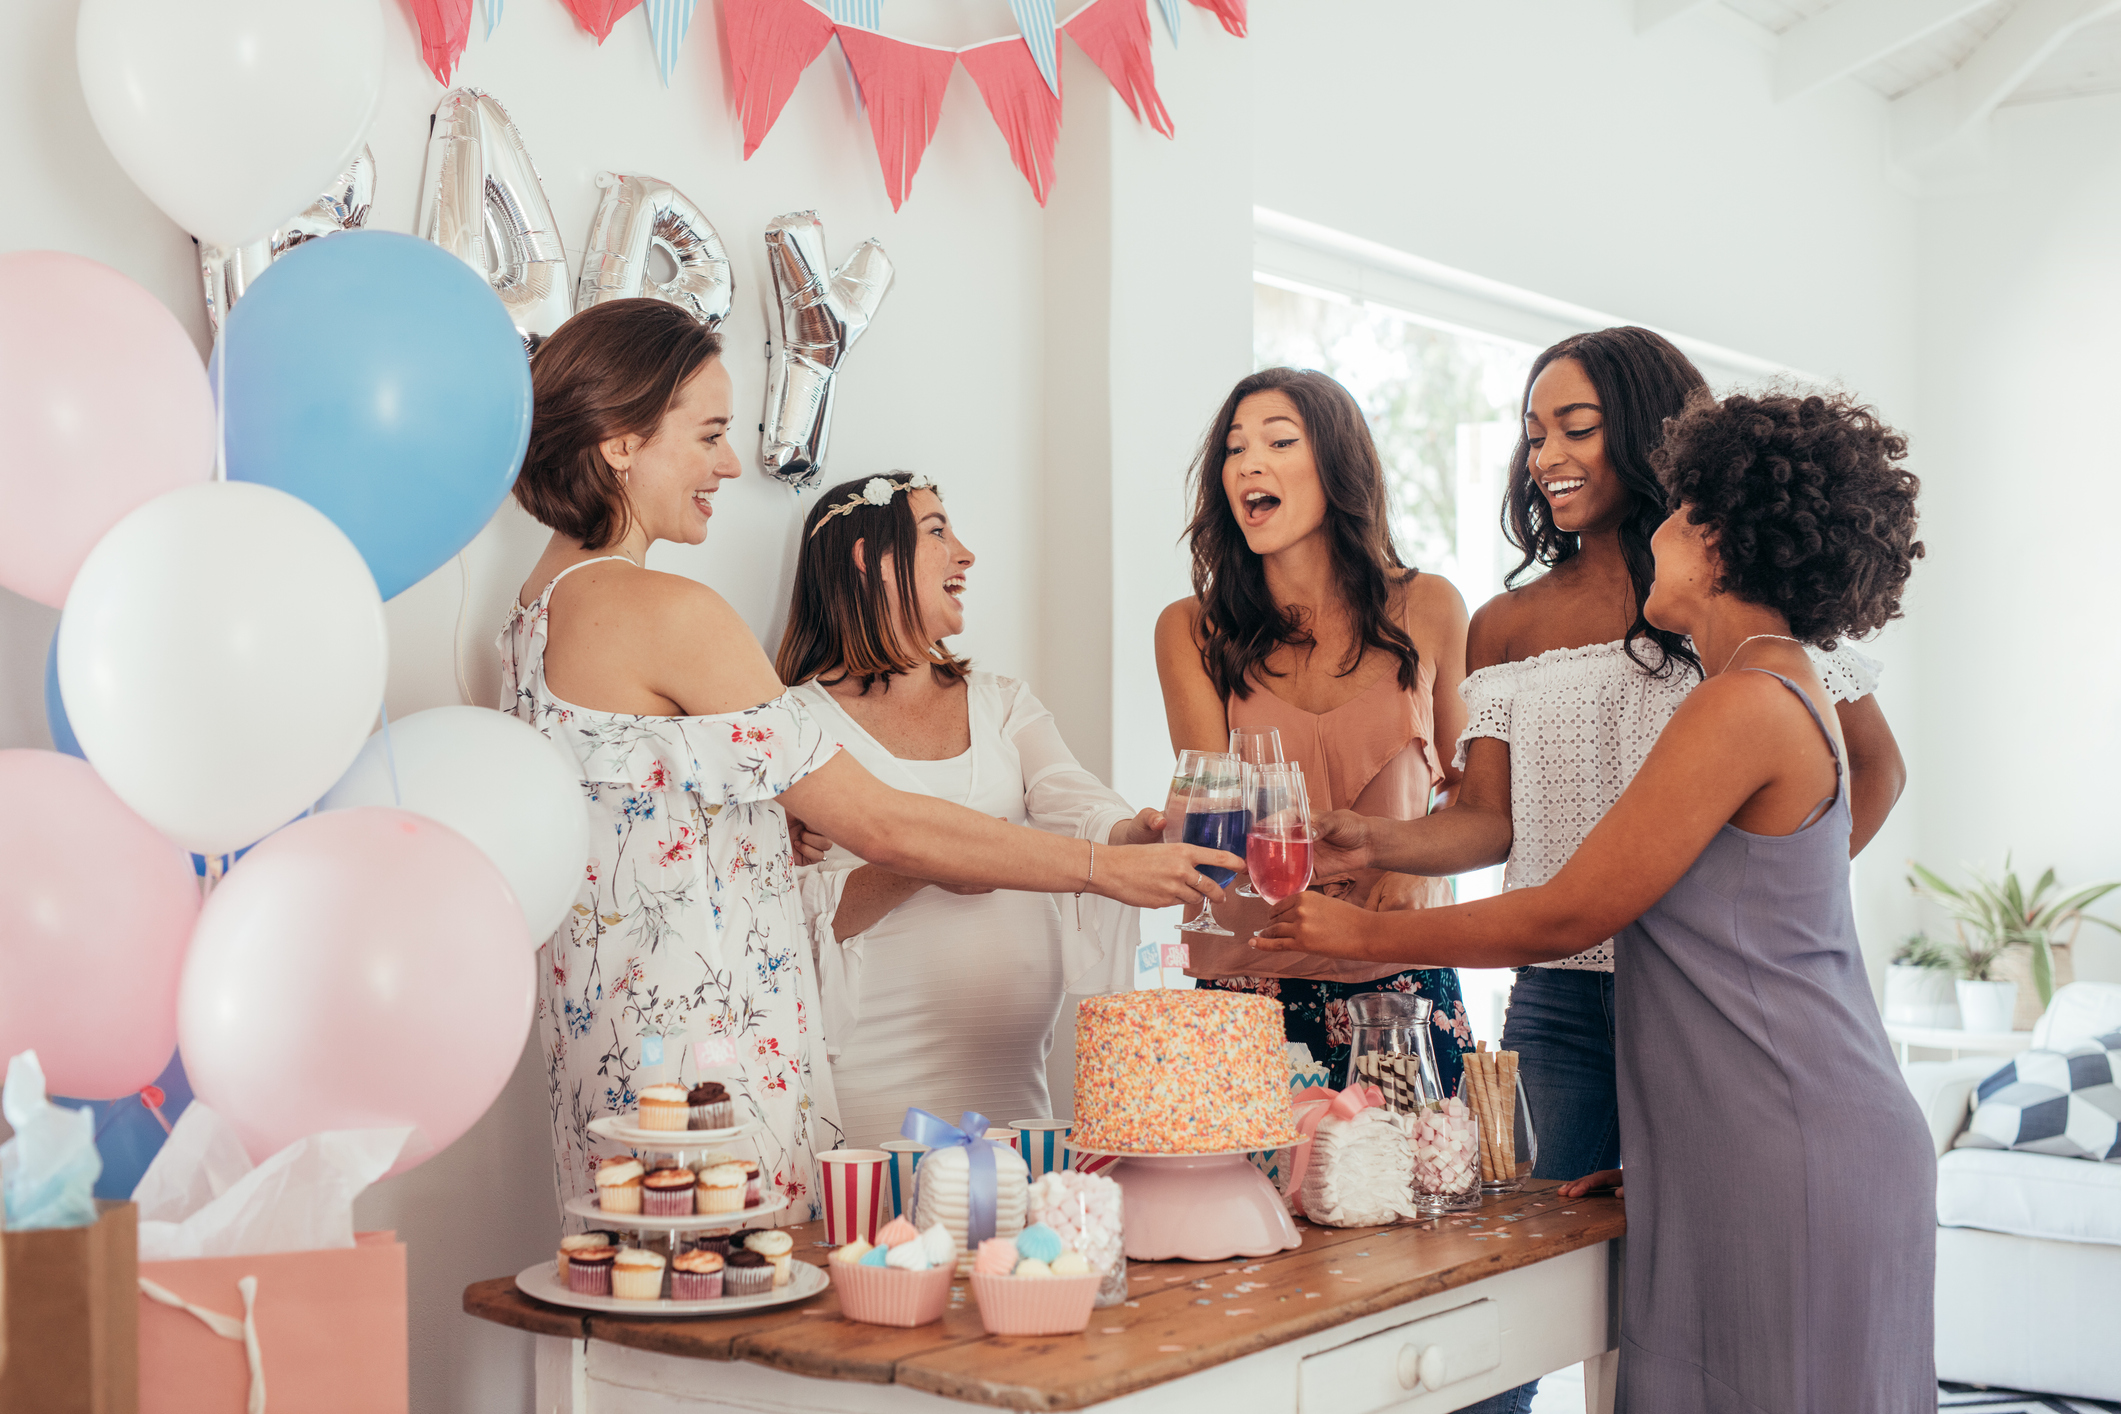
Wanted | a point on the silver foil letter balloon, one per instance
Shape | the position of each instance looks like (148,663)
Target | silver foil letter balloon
(481,201)
(636,217)
(226,274)
(822,314)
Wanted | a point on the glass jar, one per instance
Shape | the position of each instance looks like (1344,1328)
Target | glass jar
(1390,1049)
(1446,1142)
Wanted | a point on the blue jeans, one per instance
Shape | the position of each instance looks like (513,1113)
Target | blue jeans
(1561,1026)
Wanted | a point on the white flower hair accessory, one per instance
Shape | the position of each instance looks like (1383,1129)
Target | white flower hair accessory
(877,491)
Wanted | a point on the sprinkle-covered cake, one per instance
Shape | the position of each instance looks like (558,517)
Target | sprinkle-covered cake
(1180,1072)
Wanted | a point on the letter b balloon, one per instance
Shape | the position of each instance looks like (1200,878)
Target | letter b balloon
(380,379)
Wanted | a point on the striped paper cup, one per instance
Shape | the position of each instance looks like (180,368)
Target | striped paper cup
(1043,1143)
(905,1158)
(854,1185)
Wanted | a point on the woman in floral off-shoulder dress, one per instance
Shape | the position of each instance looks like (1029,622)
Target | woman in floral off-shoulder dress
(687,928)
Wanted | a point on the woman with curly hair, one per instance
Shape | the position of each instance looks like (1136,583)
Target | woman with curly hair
(1304,619)
(1782,1203)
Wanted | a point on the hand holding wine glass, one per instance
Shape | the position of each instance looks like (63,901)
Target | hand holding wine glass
(1208,804)
(1278,844)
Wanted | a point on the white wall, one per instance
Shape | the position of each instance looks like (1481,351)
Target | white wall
(2021,720)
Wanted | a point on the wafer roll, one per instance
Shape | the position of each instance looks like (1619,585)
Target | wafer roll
(1478,1069)
(1509,1118)
(1494,1125)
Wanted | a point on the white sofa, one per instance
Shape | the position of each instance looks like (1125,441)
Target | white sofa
(2028,1245)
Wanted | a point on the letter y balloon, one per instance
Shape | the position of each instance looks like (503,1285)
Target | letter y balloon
(821,317)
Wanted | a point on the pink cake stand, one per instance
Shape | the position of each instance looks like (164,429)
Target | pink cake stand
(1199,1207)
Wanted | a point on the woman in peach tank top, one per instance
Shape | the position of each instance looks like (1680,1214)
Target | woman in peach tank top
(1304,619)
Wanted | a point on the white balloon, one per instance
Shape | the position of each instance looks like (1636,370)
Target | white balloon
(231,113)
(496,781)
(222,658)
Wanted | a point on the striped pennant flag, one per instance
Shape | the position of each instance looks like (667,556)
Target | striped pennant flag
(868,14)
(667,22)
(1171,12)
(493,16)
(1041,31)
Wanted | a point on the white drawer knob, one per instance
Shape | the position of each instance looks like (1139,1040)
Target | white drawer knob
(1418,1366)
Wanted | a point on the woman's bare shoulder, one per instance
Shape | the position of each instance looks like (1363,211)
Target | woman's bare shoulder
(1179,624)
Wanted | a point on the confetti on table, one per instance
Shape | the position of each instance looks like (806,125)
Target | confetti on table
(1568,1212)
(1168,1348)
(1204,1301)
(1312,1295)
(1352,1281)
(1334,1271)
(1539,1234)
(1174,1278)
(1112,1330)
(1240,1311)
(1251,1269)
(1362,1254)
(1134,1305)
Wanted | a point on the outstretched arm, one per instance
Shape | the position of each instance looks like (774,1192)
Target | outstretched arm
(1734,738)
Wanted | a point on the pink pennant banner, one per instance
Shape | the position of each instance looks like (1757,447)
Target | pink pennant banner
(1115,34)
(1027,112)
(598,16)
(444,27)
(1230,12)
(771,42)
(902,86)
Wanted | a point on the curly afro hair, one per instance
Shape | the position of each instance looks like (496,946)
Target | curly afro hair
(1809,508)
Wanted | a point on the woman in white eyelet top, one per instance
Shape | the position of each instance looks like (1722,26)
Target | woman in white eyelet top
(1579,723)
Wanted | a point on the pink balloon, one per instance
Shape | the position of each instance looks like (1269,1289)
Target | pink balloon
(359,969)
(104,406)
(95,911)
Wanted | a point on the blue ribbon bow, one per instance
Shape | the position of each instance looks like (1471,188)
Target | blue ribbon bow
(938,1133)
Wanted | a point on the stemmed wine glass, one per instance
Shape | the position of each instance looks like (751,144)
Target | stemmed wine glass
(1278,843)
(1255,746)
(1207,806)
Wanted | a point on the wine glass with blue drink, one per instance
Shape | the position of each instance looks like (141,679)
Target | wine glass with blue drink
(1210,790)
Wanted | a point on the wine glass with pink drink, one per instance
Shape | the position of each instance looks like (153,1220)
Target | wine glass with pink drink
(1278,842)
(1256,747)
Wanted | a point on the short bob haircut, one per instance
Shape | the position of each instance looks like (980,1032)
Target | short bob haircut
(1808,508)
(1241,625)
(839,616)
(611,371)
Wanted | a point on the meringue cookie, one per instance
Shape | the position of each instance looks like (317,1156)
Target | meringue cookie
(940,1245)
(897,1232)
(909,1257)
(851,1254)
(1361,1171)
(875,1257)
(997,1257)
(1071,1264)
(1039,1243)
(1032,1267)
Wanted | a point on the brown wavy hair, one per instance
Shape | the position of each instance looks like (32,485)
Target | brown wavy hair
(1808,506)
(1241,625)
(839,614)
(1641,381)
(611,371)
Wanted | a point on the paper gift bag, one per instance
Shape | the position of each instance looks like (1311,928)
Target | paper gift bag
(70,1318)
(330,1329)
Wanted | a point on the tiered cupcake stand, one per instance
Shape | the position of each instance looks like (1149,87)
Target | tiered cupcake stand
(543,1280)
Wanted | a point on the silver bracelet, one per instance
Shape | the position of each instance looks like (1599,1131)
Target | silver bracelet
(1087,878)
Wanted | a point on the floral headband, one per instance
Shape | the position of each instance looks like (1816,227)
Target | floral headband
(876,491)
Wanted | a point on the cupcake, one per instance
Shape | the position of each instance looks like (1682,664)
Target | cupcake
(663,1107)
(722,1189)
(777,1248)
(589,1270)
(696,1276)
(637,1275)
(754,1192)
(580,1240)
(619,1186)
(708,1107)
(717,1243)
(747,1273)
(667,1193)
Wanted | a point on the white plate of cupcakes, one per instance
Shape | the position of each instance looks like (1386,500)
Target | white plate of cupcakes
(672,1117)
(716,1277)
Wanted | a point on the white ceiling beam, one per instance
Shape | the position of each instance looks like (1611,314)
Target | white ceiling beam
(1952,107)
(1651,13)
(1854,34)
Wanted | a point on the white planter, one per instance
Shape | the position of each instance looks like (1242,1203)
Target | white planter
(1986,1006)
(1921,996)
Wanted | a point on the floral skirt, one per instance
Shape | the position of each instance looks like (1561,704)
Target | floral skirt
(1316,1013)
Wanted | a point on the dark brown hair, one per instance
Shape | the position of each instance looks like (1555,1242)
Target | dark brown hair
(1240,623)
(1809,510)
(1641,380)
(839,615)
(611,371)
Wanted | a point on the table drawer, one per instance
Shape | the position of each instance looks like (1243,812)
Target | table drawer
(1399,1365)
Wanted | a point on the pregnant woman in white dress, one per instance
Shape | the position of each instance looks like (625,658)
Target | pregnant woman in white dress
(935,995)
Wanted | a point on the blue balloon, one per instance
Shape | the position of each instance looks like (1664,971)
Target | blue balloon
(380,379)
(128,1136)
(63,738)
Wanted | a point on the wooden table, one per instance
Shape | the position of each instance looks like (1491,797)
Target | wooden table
(1524,1286)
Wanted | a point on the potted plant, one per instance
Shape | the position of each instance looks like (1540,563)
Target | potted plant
(1918,984)
(1994,918)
